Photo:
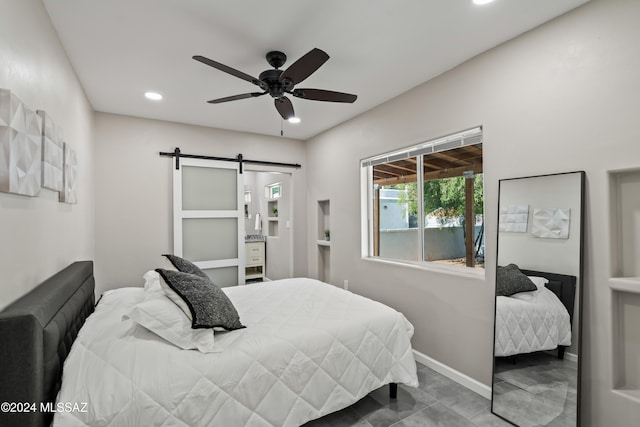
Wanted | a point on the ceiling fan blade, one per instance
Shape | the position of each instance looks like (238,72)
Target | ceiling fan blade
(324,95)
(227,69)
(284,107)
(236,97)
(305,66)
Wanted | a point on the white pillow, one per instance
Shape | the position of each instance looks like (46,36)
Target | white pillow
(173,296)
(163,318)
(540,282)
(152,278)
(152,282)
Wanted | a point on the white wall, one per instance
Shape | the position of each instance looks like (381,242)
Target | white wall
(133,186)
(560,98)
(39,235)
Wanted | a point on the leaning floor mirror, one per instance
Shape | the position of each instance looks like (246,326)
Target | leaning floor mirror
(536,371)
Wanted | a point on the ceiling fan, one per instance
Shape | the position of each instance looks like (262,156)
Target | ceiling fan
(278,83)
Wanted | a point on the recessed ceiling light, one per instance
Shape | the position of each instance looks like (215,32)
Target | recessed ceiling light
(153,96)
(293,119)
(481,2)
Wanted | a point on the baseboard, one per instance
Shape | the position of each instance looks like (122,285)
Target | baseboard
(459,377)
(570,357)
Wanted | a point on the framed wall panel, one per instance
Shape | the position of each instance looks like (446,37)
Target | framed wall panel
(20,146)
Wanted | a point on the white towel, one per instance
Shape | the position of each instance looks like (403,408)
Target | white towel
(258,226)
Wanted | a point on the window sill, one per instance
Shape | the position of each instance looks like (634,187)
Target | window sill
(469,272)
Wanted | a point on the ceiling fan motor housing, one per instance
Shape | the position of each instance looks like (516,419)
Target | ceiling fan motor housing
(272,83)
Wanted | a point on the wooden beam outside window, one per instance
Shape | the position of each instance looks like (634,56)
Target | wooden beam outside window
(469,221)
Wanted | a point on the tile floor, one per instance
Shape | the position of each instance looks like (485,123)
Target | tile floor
(539,389)
(436,402)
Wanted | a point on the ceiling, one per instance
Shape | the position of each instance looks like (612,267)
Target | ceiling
(378,49)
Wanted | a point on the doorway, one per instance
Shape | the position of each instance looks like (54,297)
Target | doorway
(268,217)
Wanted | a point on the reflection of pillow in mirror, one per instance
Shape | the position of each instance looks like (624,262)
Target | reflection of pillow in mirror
(540,282)
(510,280)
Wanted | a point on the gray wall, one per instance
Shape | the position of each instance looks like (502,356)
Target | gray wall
(39,235)
(133,186)
(559,98)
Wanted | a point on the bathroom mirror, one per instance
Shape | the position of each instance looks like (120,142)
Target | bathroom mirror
(247,202)
(536,370)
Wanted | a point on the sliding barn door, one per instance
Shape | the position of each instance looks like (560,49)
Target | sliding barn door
(208,219)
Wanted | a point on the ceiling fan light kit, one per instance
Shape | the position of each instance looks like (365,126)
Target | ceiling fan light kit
(277,83)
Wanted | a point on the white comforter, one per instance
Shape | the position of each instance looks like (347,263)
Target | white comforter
(531,321)
(309,349)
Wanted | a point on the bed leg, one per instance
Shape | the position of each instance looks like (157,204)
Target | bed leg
(561,350)
(393,390)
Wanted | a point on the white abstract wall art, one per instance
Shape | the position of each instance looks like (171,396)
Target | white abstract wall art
(514,218)
(20,146)
(52,153)
(69,176)
(551,223)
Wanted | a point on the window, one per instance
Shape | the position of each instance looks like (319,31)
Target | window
(426,202)
(273,191)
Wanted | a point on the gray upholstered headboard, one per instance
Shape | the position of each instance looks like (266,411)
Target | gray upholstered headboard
(36,333)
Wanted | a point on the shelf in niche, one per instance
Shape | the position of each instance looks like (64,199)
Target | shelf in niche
(273,218)
(324,243)
(625,284)
(633,394)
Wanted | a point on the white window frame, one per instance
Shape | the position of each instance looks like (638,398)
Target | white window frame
(469,137)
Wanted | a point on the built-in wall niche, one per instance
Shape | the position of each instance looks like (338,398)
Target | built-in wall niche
(626,343)
(324,240)
(324,222)
(272,207)
(625,223)
(324,263)
(272,218)
(624,187)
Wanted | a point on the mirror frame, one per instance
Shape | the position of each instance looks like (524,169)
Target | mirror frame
(579,288)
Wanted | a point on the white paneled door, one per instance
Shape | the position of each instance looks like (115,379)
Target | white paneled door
(208,218)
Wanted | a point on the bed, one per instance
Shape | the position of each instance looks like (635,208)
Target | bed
(308,349)
(536,320)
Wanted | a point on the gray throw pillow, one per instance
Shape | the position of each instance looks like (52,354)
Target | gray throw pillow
(185,266)
(510,280)
(208,306)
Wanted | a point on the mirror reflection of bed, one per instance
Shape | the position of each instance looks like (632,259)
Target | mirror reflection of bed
(537,321)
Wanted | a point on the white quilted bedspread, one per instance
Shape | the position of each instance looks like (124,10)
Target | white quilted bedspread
(309,349)
(531,321)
